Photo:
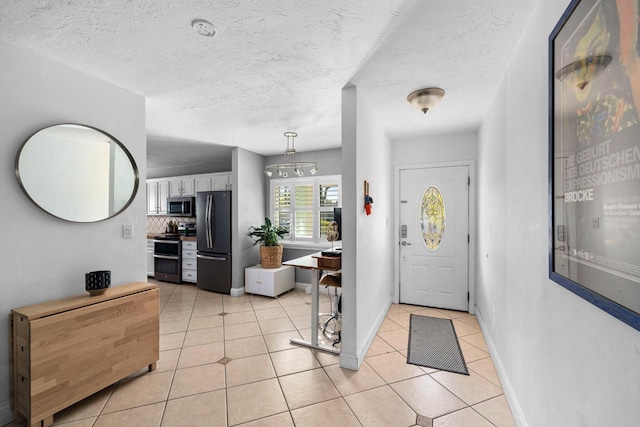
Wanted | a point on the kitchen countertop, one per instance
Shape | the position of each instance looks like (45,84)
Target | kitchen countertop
(183,238)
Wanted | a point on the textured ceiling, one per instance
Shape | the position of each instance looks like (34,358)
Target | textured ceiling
(278,65)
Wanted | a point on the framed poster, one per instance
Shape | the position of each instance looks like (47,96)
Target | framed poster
(594,155)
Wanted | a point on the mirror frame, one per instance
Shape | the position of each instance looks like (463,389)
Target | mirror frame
(134,165)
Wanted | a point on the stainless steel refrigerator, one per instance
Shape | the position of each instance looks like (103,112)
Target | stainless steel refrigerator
(213,217)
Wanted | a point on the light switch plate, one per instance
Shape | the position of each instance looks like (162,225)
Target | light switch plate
(127,231)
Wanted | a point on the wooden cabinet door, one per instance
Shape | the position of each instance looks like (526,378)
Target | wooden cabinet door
(267,283)
(188,187)
(252,281)
(152,198)
(220,183)
(182,188)
(163,193)
(203,184)
(175,188)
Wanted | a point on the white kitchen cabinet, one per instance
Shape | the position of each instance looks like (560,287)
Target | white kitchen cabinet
(203,183)
(189,262)
(213,182)
(182,187)
(150,267)
(158,189)
(157,193)
(221,182)
(270,282)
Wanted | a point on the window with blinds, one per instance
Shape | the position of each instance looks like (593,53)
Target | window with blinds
(329,196)
(281,201)
(305,206)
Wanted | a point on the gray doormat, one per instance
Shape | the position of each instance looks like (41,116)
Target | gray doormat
(433,343)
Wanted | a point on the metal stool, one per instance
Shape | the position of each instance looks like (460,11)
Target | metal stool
(333,324)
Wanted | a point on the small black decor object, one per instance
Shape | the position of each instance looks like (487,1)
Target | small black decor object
(97,282)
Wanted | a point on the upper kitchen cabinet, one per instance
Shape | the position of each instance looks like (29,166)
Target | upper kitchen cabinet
(213,182)
(157,193)
(181,187)
(158,189)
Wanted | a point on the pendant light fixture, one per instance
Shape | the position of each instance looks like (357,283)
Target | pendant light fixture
(290,163)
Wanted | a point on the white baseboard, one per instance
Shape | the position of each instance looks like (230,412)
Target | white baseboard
(303,287)
(514,405)
(353,361)
(237,292)
(349,361)
(6,414)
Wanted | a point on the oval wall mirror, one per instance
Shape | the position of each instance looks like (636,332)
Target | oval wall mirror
(77,173)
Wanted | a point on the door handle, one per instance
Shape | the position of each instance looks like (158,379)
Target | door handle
(166,257)
(405,243)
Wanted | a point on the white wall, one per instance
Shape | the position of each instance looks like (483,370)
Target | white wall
(367,244)
(248,181)
(169,171)
(44,258)
(564,362)
(435,149)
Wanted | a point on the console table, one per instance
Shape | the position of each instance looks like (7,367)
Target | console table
(66,350)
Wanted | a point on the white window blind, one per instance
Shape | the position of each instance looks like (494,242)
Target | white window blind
(305,206)
(281,202)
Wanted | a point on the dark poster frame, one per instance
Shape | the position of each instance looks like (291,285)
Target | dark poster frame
(602,271)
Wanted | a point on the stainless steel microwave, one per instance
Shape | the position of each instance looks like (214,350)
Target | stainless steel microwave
(181,206)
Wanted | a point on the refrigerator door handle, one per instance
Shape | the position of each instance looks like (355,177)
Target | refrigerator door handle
(212,223)
(212,258)
(208,221)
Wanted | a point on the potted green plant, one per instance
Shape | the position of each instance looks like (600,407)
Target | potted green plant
(268,235)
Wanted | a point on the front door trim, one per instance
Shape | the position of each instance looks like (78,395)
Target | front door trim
(472,224)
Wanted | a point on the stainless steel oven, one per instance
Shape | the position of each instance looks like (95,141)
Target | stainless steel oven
(167,262)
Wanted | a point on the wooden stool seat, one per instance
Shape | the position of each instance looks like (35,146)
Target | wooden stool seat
(334,279)
(331,279)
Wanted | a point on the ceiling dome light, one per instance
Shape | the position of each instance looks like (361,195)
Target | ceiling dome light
(425,99)
(203,27)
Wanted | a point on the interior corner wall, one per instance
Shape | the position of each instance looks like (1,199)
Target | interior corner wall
(367,244)
(45,258)
(562,360)
(248,181)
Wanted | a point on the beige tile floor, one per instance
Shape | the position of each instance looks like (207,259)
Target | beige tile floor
(239,369)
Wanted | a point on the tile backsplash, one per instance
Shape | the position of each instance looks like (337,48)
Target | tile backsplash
(158,223)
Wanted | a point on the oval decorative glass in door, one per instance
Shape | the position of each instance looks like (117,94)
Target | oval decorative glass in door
(432,217)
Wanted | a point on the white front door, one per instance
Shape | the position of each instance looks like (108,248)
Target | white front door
(434,237)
